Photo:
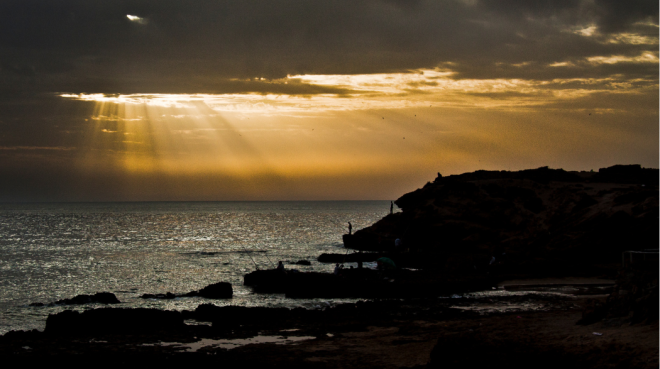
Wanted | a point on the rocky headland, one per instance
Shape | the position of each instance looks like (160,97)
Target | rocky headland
(534,223)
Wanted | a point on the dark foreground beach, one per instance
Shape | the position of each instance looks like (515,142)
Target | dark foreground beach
(531,330)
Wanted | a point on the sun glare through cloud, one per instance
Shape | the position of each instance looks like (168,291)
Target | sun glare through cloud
(136,19)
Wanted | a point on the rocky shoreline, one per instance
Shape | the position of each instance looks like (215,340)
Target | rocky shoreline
(458,234)
(477,329)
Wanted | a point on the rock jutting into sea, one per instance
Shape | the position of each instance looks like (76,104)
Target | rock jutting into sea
(530,223)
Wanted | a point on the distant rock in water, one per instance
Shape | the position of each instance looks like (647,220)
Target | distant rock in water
(161,296)
(220,290)
(97,298)
(303,262)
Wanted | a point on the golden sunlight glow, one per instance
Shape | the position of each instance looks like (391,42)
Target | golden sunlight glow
(588,31)
(398,124)
(421,88)
(646,57)
(618,38)
(561,64)
(632,39)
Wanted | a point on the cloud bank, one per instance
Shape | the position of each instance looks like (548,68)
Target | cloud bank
(170,46)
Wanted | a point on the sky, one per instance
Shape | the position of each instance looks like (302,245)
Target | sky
(165,100)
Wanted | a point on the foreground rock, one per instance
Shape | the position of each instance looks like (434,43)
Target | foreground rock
(113,321)
(634,299)
(220,290)
(97,298)
(364,283)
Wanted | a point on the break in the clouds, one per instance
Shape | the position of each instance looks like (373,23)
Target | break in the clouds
(136,19)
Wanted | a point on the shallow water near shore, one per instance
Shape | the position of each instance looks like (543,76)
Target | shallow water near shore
(50,252)
(233,343)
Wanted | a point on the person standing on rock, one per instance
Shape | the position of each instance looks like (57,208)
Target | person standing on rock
(350,228)
(391,207)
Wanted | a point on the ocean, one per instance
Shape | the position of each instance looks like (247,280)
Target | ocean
(53,251)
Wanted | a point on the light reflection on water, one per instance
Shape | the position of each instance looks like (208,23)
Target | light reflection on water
(50,252)
(233,343)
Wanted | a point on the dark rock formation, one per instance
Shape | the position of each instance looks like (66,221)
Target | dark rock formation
(97,298)
(365,283)
(303,262)
(107,320)
(627,174)
(160,296)
(546,221)
(593,311)
(349,258)
(634,299)
(269,281)
(231,317)
(220,290)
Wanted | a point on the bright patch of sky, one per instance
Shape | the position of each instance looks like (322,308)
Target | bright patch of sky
(420,88)
(618,38)
(646,57)
(136,19)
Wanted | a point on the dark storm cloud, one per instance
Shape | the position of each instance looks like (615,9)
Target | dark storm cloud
(610,15)
(89,46)
(615,15)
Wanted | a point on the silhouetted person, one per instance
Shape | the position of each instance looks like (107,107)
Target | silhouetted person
(391,207)
(350,228)
(280,266)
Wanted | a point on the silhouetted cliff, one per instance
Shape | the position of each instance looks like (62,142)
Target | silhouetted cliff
(540,219)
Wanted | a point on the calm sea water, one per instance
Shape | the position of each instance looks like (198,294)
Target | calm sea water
(50,252)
